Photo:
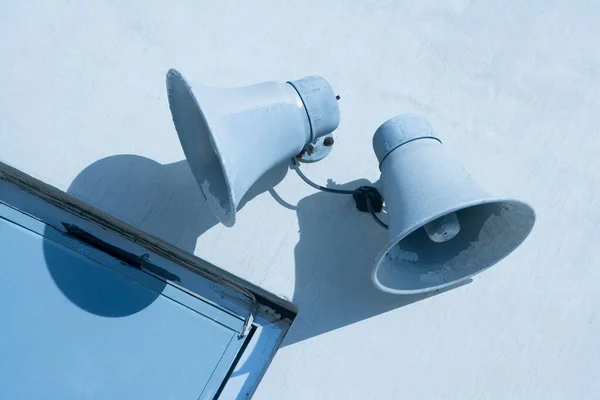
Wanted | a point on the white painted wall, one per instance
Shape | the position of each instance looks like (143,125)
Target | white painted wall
(511,86)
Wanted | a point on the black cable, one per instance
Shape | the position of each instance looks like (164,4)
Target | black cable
(362,195)
(375,217)
(319,187)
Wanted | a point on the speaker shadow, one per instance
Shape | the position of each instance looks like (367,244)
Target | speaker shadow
(161,200)
(334,260)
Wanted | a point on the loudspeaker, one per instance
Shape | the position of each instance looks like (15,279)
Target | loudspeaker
(443,228)
(231,137)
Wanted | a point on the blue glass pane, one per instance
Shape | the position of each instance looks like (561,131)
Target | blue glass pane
(109,337)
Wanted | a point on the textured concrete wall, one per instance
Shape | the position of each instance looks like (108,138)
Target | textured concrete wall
(511,87)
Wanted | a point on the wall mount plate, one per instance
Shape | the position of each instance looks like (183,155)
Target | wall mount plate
(317,151)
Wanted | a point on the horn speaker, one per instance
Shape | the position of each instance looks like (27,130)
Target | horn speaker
(443,227)
(231,137)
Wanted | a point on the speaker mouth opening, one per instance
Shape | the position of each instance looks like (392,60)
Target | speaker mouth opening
(412,263)
(200,148)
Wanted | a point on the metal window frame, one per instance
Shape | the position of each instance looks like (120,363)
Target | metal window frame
(265,317)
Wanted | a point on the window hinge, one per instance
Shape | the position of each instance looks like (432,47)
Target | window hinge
(248,321)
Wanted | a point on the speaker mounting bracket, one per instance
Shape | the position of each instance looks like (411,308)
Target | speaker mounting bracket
(316,151)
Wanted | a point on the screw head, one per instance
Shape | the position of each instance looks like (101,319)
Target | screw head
(328,141)
(310,149)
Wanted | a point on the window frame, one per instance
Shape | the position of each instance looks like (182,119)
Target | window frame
(266,318)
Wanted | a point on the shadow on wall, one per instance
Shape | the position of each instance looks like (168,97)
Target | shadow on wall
(161,200)
(334,260)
